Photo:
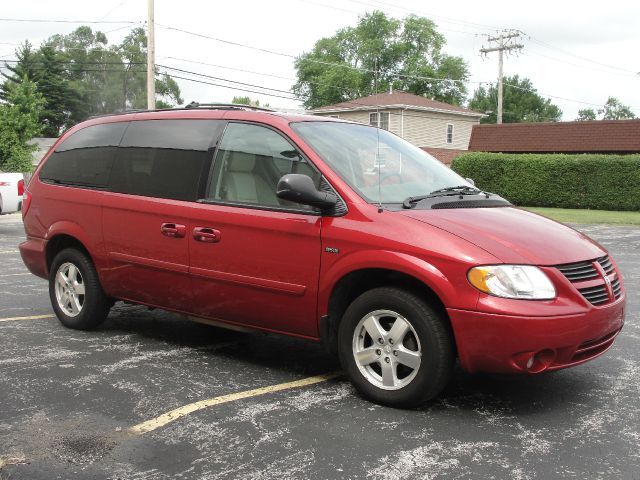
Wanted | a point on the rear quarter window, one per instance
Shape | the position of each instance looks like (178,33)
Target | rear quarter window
(85,158)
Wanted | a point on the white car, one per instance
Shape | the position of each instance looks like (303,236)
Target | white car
(11,190)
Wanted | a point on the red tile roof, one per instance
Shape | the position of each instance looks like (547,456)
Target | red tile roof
(397,99)
(610,136)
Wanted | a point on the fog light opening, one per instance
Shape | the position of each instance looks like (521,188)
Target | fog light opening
(540,361)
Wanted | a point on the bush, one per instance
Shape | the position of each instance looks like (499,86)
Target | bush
(593,181)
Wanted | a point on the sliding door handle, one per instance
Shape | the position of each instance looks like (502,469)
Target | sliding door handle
(173,230)
(206,235)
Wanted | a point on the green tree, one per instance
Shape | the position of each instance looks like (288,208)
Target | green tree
(244,101)
(26,66)
(615,110)
(248,101)
(133,51)
(377,53)
(586,114)
(521,103)
(60,96)
(79,76)
(19,123)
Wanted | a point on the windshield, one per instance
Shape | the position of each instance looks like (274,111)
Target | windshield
(385,171)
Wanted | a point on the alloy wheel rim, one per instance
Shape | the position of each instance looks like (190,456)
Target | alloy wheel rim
(386,349)
(69,289)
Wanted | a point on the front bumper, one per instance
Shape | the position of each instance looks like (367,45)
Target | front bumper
(495,343)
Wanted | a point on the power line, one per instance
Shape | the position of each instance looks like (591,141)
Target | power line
(74,62)
(229,42)
(282,54)
(565,52)
(289,95)
(445,19)
(46,20)
(232,87)
(112,10)
(595,69)
(223,79)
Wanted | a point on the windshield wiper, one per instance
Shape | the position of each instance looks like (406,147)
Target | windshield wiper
(411,202)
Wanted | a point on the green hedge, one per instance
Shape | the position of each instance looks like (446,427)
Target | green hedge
(594,181)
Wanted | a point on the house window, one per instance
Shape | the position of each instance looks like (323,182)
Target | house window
(450,133)
(380,120)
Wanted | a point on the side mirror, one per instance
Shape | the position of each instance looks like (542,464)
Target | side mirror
(300,188)
(470,180)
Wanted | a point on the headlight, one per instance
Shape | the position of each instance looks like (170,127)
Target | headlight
(512,281)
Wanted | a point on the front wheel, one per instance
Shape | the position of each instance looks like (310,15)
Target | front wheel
(397,350)
(75,291)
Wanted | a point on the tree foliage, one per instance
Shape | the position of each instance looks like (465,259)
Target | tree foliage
(19,123)
(406,54)
(521,103)
(79,75)
(615,110)
(586,114)
(248,101)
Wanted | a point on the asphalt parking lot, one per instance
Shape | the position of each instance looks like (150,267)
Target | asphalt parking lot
(70,401)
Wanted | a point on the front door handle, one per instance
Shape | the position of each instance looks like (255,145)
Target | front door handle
(206,235)
(173,230)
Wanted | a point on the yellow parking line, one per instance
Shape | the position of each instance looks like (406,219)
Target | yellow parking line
(4,461)
(15,274)
(33,317)
(180,412)
(9,251)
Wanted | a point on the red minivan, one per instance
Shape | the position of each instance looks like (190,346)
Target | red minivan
(320,229)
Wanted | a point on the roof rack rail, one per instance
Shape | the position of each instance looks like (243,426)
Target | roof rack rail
(190,106)
(229,106)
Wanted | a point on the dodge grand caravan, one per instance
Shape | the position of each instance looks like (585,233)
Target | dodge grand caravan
(320,229)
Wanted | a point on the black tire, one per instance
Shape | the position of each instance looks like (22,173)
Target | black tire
(95,305)
(434,341)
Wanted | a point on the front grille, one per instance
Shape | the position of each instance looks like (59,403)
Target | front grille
(594,347)
(617,288)
(587,271)
(595,295)
(578,271)
(606,264)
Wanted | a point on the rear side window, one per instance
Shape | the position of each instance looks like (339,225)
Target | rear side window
(165,158)
(85,158)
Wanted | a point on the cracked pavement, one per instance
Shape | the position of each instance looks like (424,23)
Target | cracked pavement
(68,397)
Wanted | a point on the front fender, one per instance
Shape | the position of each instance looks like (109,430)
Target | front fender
(418,268)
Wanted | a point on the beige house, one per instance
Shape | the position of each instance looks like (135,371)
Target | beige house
(441,129)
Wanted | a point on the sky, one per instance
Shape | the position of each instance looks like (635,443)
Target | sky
(575,53)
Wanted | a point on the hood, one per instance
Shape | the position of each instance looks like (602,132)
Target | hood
(513,235)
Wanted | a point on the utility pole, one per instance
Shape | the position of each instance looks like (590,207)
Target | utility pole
(505,42)
(151,59)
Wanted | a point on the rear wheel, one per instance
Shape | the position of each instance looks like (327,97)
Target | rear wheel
(75,291)
(396,349)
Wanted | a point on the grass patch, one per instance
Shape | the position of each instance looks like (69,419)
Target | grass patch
(567,215)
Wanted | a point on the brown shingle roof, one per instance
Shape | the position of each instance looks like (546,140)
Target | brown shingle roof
(611,136)
(398,99)
(445,155)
